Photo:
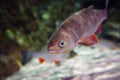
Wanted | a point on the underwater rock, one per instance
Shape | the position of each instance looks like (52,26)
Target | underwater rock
(8,66)
(10,58)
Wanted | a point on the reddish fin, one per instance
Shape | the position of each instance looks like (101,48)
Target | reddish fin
(56,62)
(99,29)
(89,40)
(41,60)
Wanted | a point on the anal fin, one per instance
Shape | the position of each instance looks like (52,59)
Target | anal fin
(41,60)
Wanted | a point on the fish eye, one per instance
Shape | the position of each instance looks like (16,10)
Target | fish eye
(62,43)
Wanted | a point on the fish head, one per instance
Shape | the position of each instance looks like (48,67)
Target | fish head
(60,42)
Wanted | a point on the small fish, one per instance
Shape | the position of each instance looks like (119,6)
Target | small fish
(79,28)
(44,56)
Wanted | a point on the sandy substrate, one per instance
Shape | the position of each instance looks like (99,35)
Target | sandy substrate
(101,62)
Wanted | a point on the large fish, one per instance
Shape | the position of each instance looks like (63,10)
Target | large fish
(79,28)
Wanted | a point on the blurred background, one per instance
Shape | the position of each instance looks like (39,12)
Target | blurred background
(28,24)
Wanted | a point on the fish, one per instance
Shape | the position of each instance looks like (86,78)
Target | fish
(78,29)
(44,56)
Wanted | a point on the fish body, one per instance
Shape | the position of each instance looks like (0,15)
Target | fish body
(44,56)
(79,28)
(49,57)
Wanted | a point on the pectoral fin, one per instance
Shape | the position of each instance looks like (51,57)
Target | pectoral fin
(56,62)
(88,40)
(41,60)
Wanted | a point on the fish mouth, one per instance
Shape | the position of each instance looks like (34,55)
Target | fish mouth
(52,51)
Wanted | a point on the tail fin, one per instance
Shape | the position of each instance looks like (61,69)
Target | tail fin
(26,57)
(106,5)
(106,8)
(97,4)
